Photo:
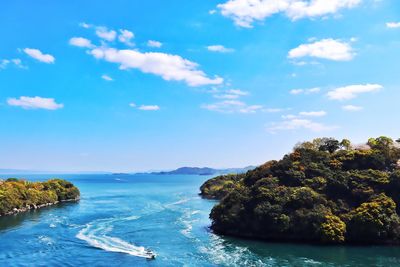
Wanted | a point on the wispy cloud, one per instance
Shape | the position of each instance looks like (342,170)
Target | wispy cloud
(393,25)
(297,124)
(237,92)
(145,107)
(169,67)
(305,91)
(352,91)
(352,108)
(16,62)
(302,114)
(320,113)
(232,106)
(126,37)
(220,49)
(226,96)
(330,49)
(106,34)
(149,107)
(80,42)
(245,12)
(107,78)
(36,102)
(85,25)
(273,110)
(38,55)
(152,43)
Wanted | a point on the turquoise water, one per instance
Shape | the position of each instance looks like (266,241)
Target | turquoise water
(120,218)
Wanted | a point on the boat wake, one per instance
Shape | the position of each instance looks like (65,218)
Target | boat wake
(96,235)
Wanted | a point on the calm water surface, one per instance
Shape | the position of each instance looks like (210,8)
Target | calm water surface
(120,217)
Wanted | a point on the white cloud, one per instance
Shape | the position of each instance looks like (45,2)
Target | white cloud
(313,90)
(36,102)
(227,106)
(212,11)
(126,37)
(296,91)
(226,96)
(169,67)
(301,9)
(245,12)
(232,106)
(326,49)
(17,62)
(237,92)
(251,109)
(4,63)
(296,124)
(305,91)
(313,113)
(145,107)
(352,108)
(220,49)
(393,25)
(38,55)
(107,78)
(85,25)
(80,42)
(152,43)
(104,33)
(289,117)
(352,91)
(273,110)
(149,107)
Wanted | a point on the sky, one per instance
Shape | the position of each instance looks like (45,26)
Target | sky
(128,85)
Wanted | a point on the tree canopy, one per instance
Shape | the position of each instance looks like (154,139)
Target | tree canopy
(325,191)
(17,194)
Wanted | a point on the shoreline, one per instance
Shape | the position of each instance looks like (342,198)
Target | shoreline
(15,211)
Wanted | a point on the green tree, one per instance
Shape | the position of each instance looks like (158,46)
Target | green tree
(333,230)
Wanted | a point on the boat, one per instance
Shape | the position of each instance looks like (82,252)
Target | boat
(150,254)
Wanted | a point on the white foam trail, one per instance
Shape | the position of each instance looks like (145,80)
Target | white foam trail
(95,234)
(226,254)
(46,240)
(187,222)
(181,201)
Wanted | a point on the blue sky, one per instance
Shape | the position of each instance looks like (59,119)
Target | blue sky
(138,85)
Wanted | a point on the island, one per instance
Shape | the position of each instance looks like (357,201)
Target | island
(20,195)
(325,191)
(203,171)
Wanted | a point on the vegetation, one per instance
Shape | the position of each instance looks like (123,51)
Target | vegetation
(325,191)
(22,195)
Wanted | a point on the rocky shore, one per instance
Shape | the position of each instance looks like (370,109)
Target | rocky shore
(35,207)
(20,195)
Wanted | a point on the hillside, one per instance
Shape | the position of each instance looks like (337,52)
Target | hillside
(20,195)
(325,191)
(204,171)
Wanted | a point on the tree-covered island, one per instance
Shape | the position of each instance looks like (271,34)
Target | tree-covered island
(324,191)
(20,195)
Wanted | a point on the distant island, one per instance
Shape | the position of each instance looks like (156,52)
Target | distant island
(204,171)
(21,195)
(325,191)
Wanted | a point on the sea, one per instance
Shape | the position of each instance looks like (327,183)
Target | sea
(122,220)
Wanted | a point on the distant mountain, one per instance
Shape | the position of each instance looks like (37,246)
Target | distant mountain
(204,171)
